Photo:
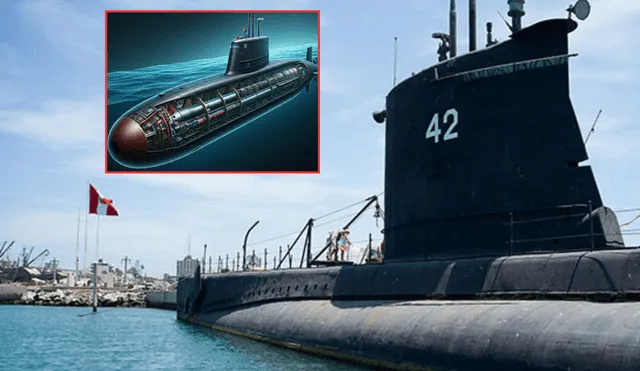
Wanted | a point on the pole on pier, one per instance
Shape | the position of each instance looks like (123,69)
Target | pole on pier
(54,263)
(204,259)
(94,267)
(126,261)
(77,273)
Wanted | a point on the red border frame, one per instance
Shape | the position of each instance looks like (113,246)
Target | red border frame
(106,95)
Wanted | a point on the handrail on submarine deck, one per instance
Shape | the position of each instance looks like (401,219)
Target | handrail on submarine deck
(257,263)
(589,214)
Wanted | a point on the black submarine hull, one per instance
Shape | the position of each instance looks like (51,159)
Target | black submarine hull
(463,314)
(446,335)
(500,253)
(185,118)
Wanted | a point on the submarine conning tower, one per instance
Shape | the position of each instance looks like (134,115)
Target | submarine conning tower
(249,52)
(483,154)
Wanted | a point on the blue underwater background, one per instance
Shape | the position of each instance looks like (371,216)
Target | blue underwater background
(284,139)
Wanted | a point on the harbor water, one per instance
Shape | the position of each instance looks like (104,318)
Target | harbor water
(61,338)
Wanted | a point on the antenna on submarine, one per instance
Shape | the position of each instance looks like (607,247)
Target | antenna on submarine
(490,39)
(248,25)
(593,127)
(505,22)
(472,25)
(452,29)
(516,12)
(395,59)
(259,20)
(581,9)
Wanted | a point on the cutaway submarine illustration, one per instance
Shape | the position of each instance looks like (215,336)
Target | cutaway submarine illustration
(185,118)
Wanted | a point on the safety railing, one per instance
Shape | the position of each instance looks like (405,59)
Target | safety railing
(284,256)
(589,215)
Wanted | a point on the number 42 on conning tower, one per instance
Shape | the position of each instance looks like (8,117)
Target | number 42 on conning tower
(449,120)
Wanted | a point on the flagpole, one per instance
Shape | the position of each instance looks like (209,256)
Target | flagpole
(86,229)
(98,238)
(78,245)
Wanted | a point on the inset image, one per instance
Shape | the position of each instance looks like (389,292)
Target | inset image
(211,91)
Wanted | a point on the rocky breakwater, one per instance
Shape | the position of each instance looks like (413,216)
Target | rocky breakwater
(11,293)
(83,298)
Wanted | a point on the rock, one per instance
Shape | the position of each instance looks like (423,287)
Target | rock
(82,297)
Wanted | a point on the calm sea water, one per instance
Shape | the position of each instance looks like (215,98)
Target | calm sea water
(54,338)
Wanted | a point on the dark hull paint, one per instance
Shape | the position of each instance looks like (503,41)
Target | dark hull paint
(516,156)
(456,229)
(159,158)
(208,83)
(346,312)
(599,275)
(448,335)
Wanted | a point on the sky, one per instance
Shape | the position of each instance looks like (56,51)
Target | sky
(52,128)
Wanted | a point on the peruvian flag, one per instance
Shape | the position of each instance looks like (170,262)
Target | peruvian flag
(99,204)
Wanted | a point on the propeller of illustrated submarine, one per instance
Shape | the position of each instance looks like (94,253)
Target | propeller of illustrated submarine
(314,61)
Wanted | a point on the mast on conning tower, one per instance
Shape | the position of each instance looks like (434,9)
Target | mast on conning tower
(452,29)
(472,25)
(516,12)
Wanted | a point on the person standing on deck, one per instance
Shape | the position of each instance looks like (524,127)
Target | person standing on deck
(343,243)
(332,252)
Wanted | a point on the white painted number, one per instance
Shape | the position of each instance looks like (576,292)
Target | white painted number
(434,131)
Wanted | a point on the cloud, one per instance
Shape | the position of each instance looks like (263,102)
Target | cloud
(292,190)
(59,124)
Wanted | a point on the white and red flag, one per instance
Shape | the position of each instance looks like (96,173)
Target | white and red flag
(99,204)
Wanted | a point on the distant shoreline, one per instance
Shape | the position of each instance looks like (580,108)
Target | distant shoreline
(123,297)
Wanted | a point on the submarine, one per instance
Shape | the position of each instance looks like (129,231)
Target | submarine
(500,253)
(185,118)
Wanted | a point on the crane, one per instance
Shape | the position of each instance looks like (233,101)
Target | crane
(25,256)
(44,252)
(4,250)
